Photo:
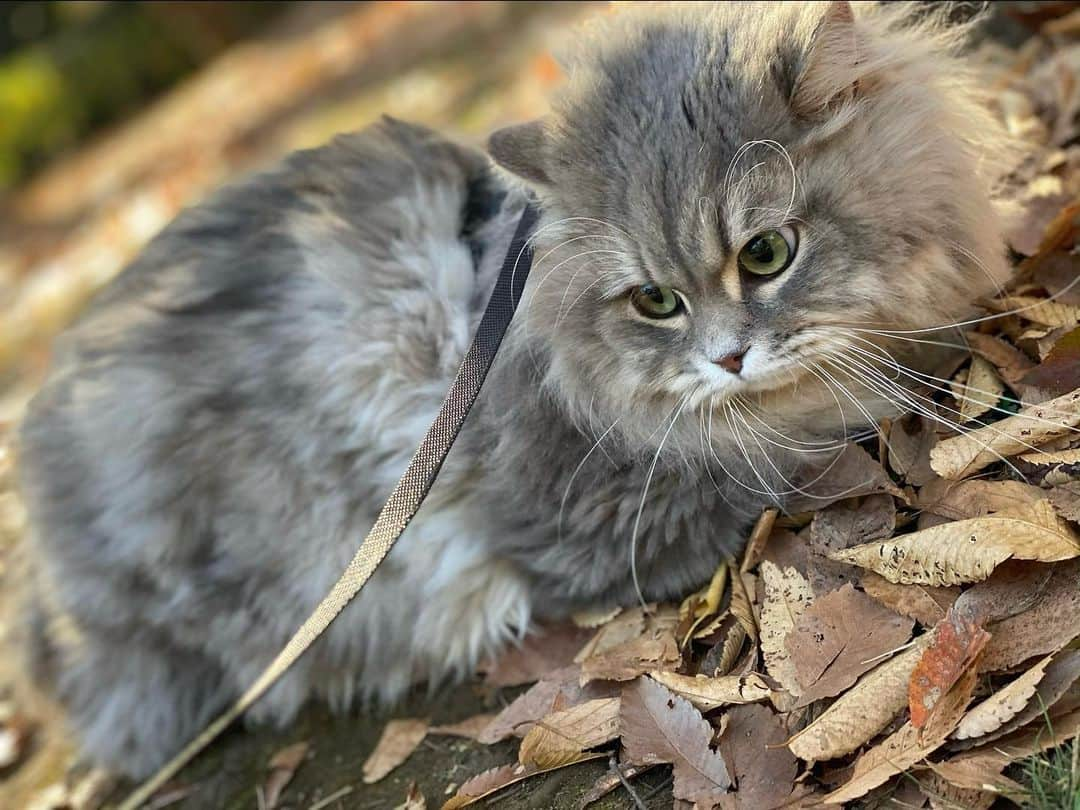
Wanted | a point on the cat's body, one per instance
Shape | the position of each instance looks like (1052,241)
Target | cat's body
(223,424)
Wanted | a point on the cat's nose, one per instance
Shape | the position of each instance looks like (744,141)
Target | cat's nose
(731,362)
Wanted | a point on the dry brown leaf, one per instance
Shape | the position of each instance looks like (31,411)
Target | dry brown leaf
(549,648)
(492,781)
(755,546)
(1065,499)
(838,638)
(841,526)
(470,728)
(742,604)
(721,658)
(560,737)
(597,617)
(1059,372)
(968,550)
(1026,742)
(908,745)
(399,739)
(709,693)
(1015,586)
(943,795)
(1038,310)
(282,767)
(852,474)
(787,596)
(655,648)
(960,456)
(1062,673)
(753,747)
(561,688)
(861,713)
(658,726)
(702,604)
(627,626)
(924,603)
(1002,706)
(953,647)
(910,440)
(958,500)
(980,391)
(1010,361)
(1051,623)
(976,775)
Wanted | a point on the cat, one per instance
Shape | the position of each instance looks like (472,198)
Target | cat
(745,209)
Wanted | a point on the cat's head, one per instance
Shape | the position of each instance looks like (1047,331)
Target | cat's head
(740,197)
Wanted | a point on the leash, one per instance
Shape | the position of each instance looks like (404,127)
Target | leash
(399,508)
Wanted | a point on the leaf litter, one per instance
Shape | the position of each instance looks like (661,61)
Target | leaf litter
(917,630)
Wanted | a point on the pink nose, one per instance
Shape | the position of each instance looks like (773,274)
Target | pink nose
(731,362)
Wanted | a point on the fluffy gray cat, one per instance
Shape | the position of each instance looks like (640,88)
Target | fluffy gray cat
(745,208)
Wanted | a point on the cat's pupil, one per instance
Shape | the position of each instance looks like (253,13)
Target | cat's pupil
(760,250)
(654,293)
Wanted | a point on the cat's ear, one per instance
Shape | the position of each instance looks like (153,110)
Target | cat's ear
(829,75)
(522,149)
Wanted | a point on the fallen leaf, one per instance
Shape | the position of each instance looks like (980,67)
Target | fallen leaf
(851,474)
(657,726)
(1015,586)
(981,390)
(924,603)
(561,688)
(952,650)
(721,658)
(540,652)
(627,626)
(598,617)
(656,648)
(968,550)
(841,526)
(282,766)
(755,546)
(787,596)
(1051,623)
(470,728)
(1010,361)
(944,795)
(562,736)
(960,456)
(978,776)
(958,500)
(495,779)
(1038,310)
(1002,706)
(399,739)
(702,604)
(709,693)
(910,440)
(1062,673)
(1065,499)
(904,747)
(1025,742)
(1059,372)
(764,770)
(860,713)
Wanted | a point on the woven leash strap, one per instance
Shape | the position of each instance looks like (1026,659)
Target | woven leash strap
(400,507)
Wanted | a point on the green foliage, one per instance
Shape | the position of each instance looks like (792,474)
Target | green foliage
(1054,778)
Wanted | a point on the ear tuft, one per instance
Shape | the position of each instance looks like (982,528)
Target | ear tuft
(522,149)
(829,77)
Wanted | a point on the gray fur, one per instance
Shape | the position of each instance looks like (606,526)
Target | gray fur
(222,425)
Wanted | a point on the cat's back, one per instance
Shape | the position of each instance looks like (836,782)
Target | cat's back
(275,352)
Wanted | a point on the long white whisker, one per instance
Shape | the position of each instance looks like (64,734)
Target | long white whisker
(573,475)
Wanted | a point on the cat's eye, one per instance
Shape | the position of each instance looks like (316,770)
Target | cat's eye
(769,252)
(656,302)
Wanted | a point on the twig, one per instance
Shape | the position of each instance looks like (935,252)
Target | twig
(626,784)
(333,797)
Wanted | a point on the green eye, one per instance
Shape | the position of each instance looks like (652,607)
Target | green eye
(768,252)
(656,302)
